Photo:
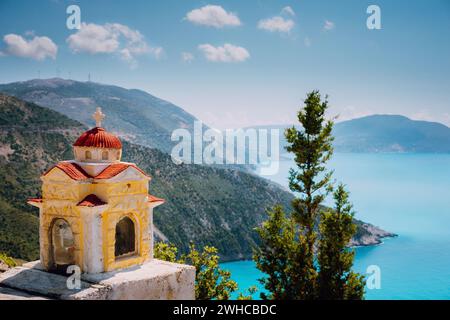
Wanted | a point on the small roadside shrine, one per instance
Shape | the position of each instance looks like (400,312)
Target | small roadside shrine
(96,217)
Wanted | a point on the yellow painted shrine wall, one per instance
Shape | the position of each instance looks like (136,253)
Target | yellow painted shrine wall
(124,198)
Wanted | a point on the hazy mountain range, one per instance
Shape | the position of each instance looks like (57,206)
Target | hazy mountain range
(383,133)
(133,114)
(391,133)
(144,119)
(204,204)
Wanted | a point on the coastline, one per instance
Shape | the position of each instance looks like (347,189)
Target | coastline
(375,243)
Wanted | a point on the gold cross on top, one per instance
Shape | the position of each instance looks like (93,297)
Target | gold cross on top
(98,117)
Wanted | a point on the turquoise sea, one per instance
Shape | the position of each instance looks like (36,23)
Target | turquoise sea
(408,194)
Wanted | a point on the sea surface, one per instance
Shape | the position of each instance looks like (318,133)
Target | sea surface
(408,194)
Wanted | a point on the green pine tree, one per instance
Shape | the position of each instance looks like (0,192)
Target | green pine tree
(336,280)
(312,147)
(280,256)
(289,243)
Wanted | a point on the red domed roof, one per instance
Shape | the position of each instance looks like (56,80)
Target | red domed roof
(98,138)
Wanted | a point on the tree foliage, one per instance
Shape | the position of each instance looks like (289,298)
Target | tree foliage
(211,282)
(281,252)
(289,242)
(336,280)
(10,262)
(249,293)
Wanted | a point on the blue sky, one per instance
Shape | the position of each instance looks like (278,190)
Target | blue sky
(253,64)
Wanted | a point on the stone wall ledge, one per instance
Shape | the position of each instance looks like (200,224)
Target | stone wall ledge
(153,280)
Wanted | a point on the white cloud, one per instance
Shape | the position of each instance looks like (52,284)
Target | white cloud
(329,25)
(112,38)
(213,16)
(276,24)
(38,48)
(187,57)
(93,38)
(225,53)
(288,10)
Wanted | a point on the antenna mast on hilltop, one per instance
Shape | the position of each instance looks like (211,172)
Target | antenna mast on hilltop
(89,77)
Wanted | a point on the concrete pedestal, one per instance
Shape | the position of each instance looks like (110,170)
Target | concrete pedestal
(154,280)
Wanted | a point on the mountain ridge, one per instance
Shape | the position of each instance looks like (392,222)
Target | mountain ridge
(142,118)
(203,204)
(133,114)
(384,133)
